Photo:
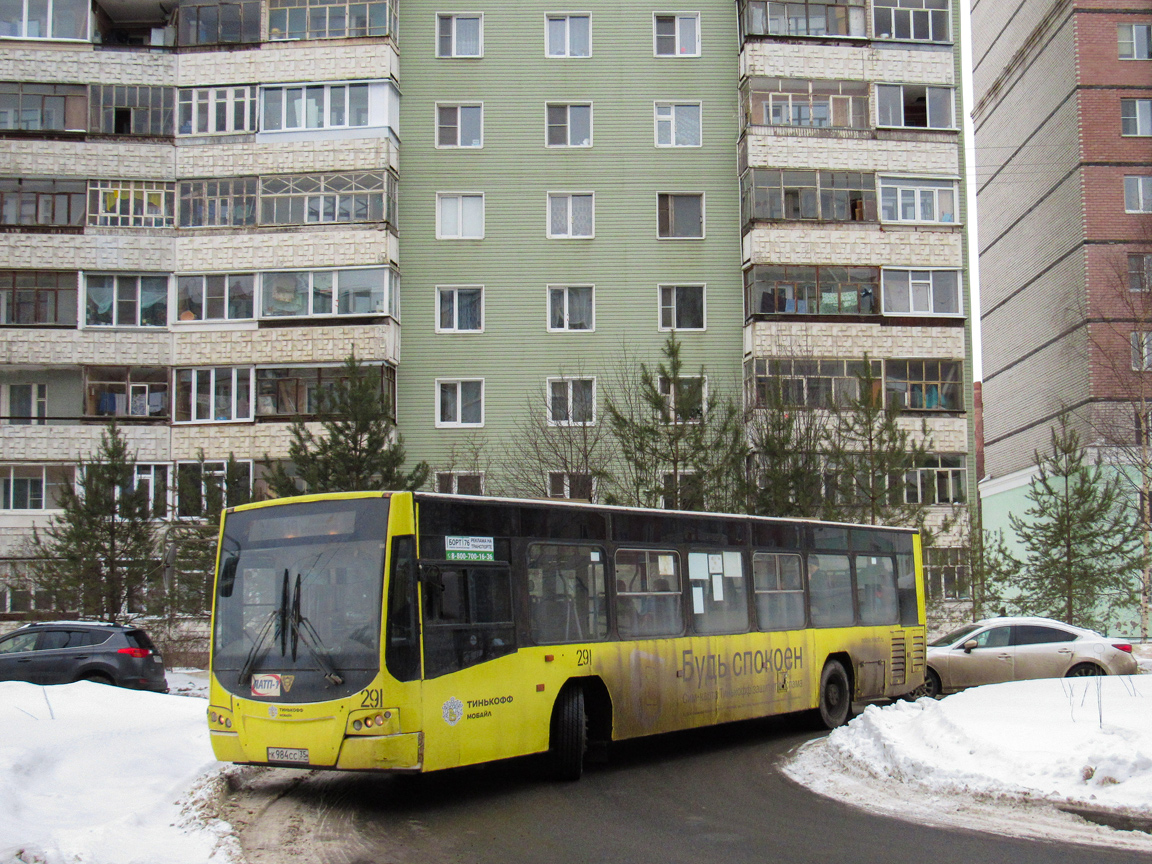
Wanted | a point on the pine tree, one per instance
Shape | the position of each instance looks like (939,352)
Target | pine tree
(1082,539)
(100,553)
(359,448)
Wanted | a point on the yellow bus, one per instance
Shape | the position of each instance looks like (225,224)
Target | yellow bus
(416,631)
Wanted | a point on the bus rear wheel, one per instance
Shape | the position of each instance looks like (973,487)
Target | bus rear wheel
(835,695)
(569,737)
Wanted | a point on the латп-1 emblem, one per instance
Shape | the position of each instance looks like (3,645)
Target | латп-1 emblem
(453,711)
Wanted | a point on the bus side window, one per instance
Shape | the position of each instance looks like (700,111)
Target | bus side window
(402,648)
(648,593)
(779,591)
(566,593)
(830,590)
(906,590)
(876,589)
(719,592)
(467,617)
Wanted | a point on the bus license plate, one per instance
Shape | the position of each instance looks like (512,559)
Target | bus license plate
(287,754)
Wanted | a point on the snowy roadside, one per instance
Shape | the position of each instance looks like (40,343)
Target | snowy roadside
(91,774)
(1003,758)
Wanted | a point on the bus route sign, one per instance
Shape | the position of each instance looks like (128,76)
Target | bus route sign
(469,549)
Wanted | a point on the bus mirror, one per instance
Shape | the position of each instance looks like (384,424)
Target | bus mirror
(430,574)
(227,576)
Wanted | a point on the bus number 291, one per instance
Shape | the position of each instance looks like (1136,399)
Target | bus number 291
(583,656)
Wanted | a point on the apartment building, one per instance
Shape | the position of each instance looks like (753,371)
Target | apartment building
(201,213)
(1063,95)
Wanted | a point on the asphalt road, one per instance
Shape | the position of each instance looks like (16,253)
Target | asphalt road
(706,796)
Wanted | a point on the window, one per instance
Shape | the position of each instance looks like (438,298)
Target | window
(832,196)
(806,382)
(460,309)
(461,403)
(325,19)
(117,109)
(194,479)
(800,102)
(914,106)
(1135,41)
(301,390)
(459,216)
(681,307)
(325,292)
(459,35)
(296,199)
(567,484)
(126,391)
(130,203)
(43,107)
(924,385)
(648,593)
(152,483)
(567,597)
(765,18)
(1138,194)
(677,125)
(680,216)
(32,487)
(876,590)
(687,396)
(779,591)
(569,36)
(219,23)
(459,125)
(719,592)
(830,590)
(571,308)
(455,483)
(216,110)
(946,573)
(1142,351)
(42,202)
(922,292)
(571,401)
(682,490)
(569,125)
(827,290)
(571,215)
(37,298)
(467,616)
(218,203)
(24,404)
(1139,272)
(321,106)
(1136,116)
(919,20)
(676,35)
(216,296)
(126,301)
(217,395)
(35,19)
(939,480)
(904,199)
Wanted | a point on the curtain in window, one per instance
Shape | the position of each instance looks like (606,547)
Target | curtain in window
(579,308)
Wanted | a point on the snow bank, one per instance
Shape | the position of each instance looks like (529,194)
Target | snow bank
(91,774)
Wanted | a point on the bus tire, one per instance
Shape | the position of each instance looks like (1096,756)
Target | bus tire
(569,735)
(835,695)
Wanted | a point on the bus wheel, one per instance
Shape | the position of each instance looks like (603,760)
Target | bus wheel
(835,696)
(569,737)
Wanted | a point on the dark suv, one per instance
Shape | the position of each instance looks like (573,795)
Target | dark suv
(60,652)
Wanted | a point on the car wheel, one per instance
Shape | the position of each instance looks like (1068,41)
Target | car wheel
(569,735)
(835,695)
(1083,670)
(931,686)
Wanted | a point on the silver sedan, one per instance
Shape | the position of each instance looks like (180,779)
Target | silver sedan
(1014,649)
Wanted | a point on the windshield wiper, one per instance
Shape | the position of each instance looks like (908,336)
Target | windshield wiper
(303,631)
(279,617)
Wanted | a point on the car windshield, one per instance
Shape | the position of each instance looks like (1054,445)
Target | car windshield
(954,636)
(299,597)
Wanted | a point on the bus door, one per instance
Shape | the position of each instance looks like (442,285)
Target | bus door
(469,646)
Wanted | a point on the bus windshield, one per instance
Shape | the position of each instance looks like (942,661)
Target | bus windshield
(298,599)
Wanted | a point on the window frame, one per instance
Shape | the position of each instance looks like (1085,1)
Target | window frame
(1141,184)
(131,193)
(567,17)
(454,16)
(211,108)
(227,298)
(370,85)
(116,299)
(289,35)
(951,127)
(1141,343)
(566,480)
(933,184)
(1121,41)
(616,594)
(454,478)
(566,288)
(61,473)
(569,400)
(33,96)
(569,197)
(455,289)
(33,296)
(1141,118)
(262,288)
(460,196)
(674,307)
(894,5)
(1139,272)
(671,213)
(931,292)
(658,104)
(677,17)
(38,403)
(665,386)
(568,106)
(458,424)
(236,373)
(50,17)
(436,127)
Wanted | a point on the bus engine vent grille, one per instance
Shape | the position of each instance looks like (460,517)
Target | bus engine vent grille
(898,659)
(917,655)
